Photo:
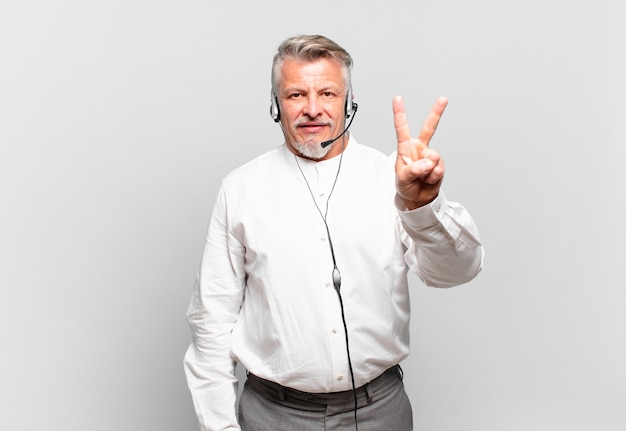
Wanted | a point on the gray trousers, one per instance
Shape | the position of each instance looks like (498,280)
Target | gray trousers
(382,405)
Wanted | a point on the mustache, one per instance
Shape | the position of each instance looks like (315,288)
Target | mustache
(309,122)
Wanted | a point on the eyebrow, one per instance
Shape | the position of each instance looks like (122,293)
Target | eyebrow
(331,87)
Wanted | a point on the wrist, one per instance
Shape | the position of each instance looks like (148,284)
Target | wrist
(413,205)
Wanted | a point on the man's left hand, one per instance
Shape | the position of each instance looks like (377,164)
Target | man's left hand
(419,168)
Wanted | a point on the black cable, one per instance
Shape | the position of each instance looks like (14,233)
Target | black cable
(336,275)
(345,328)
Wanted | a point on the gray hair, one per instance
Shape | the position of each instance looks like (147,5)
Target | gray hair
(310,48)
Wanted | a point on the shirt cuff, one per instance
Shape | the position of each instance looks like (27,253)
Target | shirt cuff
(422,217)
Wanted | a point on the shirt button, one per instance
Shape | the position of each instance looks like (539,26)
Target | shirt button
(340,377)
(328,284)
(322,239)
(334,331)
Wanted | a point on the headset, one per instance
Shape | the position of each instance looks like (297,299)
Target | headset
(349,109)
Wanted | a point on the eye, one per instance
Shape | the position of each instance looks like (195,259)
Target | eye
(295,95)
(328,94)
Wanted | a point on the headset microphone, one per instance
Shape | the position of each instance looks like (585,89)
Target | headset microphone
(354,109)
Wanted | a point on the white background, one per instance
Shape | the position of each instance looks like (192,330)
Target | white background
(119,118)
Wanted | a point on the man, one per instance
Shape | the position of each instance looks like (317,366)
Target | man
(303,277)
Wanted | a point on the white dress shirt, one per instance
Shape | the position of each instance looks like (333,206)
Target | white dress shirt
(264,295)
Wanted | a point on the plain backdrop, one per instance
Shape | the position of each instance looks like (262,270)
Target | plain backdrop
(119,118)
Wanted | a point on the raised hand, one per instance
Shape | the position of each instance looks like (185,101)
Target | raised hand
(419,168)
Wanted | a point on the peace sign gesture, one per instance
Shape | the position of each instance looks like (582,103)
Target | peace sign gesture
(419,169)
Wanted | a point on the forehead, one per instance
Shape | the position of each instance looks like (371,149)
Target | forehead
(323,71)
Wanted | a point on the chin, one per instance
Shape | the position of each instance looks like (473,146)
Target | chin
(311,151)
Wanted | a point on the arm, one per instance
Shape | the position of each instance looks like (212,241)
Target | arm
(443,244)
(212,313)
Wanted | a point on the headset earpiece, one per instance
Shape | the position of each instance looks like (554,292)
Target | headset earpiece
(349,109)
(274,108)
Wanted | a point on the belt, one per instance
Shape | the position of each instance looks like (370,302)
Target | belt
(278,392)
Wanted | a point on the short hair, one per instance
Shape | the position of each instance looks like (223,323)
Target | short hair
(310,48)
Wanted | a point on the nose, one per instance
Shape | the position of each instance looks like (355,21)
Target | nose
(312,108)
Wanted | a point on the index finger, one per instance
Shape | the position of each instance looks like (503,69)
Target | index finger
(432,121)
(399,120)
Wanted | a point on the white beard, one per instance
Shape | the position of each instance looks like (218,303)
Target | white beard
(312,151)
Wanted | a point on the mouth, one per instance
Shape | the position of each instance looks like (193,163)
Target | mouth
(311,128)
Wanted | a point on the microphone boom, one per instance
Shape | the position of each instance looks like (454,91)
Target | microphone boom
(327,143)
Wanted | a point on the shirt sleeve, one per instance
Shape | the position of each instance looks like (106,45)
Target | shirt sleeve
(443,244)
(213,311)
